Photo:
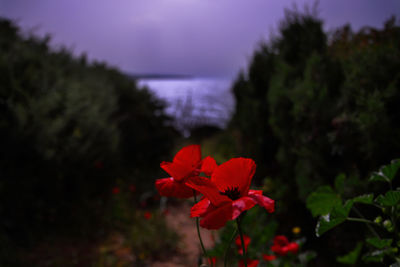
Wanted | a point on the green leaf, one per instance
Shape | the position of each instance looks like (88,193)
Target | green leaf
(391,198)
(326,223)
(390,170)
(375,256)
(351,257)
(376,177)
(337,216)
(322,201)
(379,243)
(387,172)
(366,199)
(343,211)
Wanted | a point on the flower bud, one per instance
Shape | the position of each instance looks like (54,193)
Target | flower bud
(378,219)
(387,224)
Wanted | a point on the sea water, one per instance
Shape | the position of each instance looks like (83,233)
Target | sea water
(194,102)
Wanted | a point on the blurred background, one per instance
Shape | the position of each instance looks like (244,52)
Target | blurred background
(95,94)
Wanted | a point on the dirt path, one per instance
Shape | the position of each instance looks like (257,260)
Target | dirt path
(189,249)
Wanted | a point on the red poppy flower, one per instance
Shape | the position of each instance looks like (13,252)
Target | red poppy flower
(147,215)
(227,194)
(186,164)
(115,190)
(250,263)
(282,246)
(238,243)
(269,257)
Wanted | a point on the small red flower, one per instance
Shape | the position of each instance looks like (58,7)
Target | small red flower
(147,215)
(238,243)
(227,194)
(282,246)
(269,257)
(186,164)
(250,263)
(115,190)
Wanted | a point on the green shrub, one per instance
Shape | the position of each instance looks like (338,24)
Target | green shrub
(68,130)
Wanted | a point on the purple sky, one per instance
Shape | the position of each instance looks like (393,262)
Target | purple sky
(196,37)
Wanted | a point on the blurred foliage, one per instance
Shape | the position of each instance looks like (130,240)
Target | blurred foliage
(140,234)
(312,105)
(377,209)
(68,130)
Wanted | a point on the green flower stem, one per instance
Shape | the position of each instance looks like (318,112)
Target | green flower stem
(228,247)
(393,217)
(359,220)
(242,240)
(368,222)
(198,228)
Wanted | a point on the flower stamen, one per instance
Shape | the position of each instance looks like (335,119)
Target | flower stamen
(232,192)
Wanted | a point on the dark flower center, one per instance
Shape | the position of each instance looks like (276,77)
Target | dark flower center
(232,192)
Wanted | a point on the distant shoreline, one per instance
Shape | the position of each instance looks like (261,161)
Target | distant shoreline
(159,76)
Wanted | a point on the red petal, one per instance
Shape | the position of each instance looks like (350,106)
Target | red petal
(236,172)
(200,208)
(242,204)
(208,165)
(263,201)
(168,187)
(217,218)
(208,189)
(292,247)
(189,155)
(278,250)
(177,170)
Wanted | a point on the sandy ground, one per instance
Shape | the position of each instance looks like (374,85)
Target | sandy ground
(190,250)
(87,254)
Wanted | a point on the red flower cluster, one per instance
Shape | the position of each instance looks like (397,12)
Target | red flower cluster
(226,195)
(282,246)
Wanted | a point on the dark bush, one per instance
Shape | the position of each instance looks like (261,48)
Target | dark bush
(68,130)
(312,105)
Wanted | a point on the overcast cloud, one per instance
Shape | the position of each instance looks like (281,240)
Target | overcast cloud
(196,37)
